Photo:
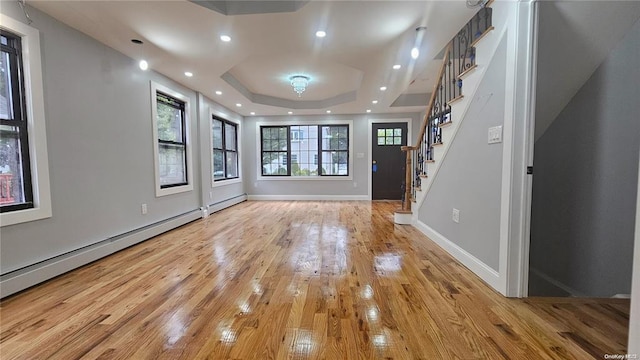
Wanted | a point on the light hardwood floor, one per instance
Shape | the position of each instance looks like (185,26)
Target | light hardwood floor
(296,280)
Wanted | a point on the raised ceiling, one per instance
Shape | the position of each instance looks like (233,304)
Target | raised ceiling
(272,41)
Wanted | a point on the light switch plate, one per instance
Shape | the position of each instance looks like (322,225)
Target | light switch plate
(495,135)
(455,216)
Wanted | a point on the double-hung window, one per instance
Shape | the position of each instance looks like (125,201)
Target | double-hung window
(225,149)
(16,192)
(24,171)
(305,150)
(172,151)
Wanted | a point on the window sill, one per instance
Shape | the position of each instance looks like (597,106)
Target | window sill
(305,178)
(173,190)
(218,183)
(23,216)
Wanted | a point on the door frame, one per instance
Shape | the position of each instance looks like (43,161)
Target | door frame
(408,121)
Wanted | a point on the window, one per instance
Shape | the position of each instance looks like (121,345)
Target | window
(327,145)
(172,150)
(390,136)
(15,170)
(225,149)
(335,150)
(24,172)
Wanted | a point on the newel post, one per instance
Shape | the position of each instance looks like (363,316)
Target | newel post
(406,204)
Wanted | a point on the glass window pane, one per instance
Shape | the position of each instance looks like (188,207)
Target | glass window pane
(397,132)
(397,140)
(389,132)
(218,164)
(266,133)
(4,40)
(172,160)
(232,164)
(11,182)
(381,132)
(381,140)
(169,123)
(230,136)
(342,132)
(6,99)
(216,129)
(389,141)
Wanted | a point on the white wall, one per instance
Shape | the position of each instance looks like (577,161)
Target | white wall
(634,321)
(226,190)
(469,178)
(99,136)
(584,185)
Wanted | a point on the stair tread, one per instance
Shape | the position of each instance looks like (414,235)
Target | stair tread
(467,72)
(437,144)
(477,40)
(430,161)
(445,124)
(459,97)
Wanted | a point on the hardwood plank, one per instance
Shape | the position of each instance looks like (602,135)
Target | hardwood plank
(297,280)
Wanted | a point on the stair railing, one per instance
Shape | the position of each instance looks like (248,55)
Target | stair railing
(459,57)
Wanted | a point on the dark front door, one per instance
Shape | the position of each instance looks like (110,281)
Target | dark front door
(388,165)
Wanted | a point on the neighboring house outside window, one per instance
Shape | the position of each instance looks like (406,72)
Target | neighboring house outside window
(225,149)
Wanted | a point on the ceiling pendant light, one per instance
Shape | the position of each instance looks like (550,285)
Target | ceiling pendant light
(143,64)
(415,52)
(299,83)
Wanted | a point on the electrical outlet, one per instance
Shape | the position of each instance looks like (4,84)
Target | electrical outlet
(144,209)
(355,184)
(455,216)
(255,184)
(210,195)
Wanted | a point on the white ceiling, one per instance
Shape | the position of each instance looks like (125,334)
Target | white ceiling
(364,40)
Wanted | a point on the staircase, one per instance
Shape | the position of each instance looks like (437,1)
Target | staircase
(458,75)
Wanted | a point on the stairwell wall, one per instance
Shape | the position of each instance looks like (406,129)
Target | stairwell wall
(585,184)
(469,178)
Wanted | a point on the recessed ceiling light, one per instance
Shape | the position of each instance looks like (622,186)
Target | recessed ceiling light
(374,102)
(383,88)
(290,112)
(188,74)
(239,105)
(144,65)
(396,67)
(368,110)
(225,38)
(415,53)
(218,92)
(321,34)
(328,111)
(253,113)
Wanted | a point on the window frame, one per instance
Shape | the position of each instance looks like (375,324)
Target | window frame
(164,190)
(33,109)
(227,180)
(319,124)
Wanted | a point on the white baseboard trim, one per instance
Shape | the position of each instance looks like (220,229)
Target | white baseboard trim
(226,203)
(24,278)
(553,282)
(485,272)
(308,197)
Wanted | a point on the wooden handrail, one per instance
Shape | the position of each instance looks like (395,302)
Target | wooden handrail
(406,204)
(425,121)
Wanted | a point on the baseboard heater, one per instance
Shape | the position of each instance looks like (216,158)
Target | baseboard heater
(223,204)
(21,279)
